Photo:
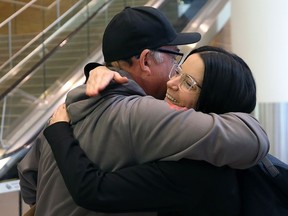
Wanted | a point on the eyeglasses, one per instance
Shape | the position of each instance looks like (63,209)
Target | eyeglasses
(187,82)
(177,56)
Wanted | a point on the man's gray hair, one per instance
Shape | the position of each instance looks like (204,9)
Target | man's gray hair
(158,57)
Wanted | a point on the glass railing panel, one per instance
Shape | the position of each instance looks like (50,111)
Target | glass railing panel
(18,32)
(16,102)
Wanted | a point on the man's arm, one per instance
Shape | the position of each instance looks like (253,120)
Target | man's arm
(153,186)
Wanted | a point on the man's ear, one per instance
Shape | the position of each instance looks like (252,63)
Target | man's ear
(144,61)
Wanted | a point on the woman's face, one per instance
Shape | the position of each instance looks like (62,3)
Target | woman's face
(180,88)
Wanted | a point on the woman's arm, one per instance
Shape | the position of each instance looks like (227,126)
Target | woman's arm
(154,186)
(128,189)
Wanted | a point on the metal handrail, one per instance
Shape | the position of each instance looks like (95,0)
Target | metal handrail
(9,19)
(34,6)
(17,13)
(36,38)
(15,70)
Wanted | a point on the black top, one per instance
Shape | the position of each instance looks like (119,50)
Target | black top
(185,186)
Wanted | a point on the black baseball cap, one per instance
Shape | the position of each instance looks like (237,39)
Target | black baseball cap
(137,28)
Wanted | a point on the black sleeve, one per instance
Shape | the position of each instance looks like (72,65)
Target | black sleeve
(149,187)
(88,67)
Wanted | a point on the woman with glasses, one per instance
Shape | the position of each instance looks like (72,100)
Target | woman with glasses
(210,80)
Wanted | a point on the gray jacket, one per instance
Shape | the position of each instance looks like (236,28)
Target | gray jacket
(123,127)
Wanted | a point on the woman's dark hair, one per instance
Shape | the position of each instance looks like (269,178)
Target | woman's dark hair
(228,83)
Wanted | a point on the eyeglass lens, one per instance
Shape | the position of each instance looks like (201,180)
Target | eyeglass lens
(186,81)
(173,70)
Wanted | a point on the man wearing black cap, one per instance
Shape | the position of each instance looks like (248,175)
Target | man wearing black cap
(123,126)
(138,35)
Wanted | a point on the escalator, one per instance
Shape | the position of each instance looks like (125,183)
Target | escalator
(35,87)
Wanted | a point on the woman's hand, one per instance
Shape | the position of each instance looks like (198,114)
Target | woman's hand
(100,77)
(60,115)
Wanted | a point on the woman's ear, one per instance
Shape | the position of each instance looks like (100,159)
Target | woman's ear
(144,61)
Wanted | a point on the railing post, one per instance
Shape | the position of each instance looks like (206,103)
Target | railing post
(58,12)
(3,121)
(10,43)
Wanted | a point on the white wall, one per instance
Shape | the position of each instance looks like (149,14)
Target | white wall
(259,34)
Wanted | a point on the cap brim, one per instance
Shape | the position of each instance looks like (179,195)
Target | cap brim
(186,38)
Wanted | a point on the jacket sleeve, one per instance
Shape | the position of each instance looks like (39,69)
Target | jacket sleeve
(159,132)
(28,171)
(147,187)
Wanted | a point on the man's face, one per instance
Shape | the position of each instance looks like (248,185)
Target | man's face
(161,64)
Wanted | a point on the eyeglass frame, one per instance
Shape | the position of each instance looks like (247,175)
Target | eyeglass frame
(178,72)
(171,52)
